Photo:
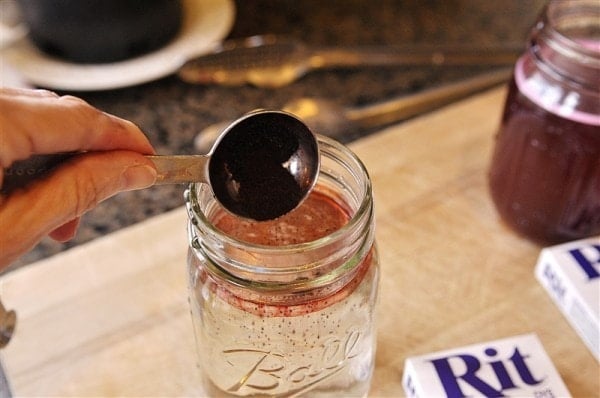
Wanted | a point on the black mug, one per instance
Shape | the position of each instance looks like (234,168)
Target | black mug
(99,31)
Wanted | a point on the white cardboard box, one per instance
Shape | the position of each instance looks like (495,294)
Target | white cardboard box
(570,272)
(512,367)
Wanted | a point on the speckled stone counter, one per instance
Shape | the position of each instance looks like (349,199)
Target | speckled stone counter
(172,112)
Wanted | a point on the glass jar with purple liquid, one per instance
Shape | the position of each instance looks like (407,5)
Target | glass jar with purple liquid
(545,171)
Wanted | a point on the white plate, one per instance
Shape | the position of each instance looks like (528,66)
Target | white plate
(206,22)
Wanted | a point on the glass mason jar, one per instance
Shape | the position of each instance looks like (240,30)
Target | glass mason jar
(286,307)
(545,170)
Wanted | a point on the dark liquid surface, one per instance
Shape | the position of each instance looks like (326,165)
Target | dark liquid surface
(545,174)
(263,167)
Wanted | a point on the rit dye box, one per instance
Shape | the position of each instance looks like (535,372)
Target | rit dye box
(512,367)
(570,272)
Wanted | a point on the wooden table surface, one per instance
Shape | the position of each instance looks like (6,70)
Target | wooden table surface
(110,318)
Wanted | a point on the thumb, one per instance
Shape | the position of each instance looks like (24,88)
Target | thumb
(77,186)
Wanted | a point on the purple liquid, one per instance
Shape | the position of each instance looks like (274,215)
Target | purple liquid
(545,174)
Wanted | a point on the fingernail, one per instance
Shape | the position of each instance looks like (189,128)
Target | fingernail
(137,177)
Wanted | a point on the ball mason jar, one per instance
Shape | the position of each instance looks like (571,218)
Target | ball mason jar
(287,307)
(545,171)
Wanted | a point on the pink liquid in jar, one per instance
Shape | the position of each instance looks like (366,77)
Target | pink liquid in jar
(545,172)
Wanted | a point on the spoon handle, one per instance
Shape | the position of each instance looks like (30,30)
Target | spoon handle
(393,110)
(180,169)
(335,57)
(171,169)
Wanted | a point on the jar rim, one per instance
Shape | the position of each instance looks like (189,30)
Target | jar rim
(565,44)
(197,216)
(554,16)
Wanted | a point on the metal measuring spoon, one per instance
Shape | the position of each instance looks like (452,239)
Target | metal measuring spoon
(274,61)
(261,167)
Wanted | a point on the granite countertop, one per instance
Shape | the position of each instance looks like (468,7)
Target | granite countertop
(171,112)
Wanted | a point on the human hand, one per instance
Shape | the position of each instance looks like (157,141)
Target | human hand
(40,122)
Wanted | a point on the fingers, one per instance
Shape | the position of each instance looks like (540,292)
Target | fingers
(51,204)
(41,122)
(26,92)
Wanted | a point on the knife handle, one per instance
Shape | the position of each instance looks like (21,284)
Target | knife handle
(22,172)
